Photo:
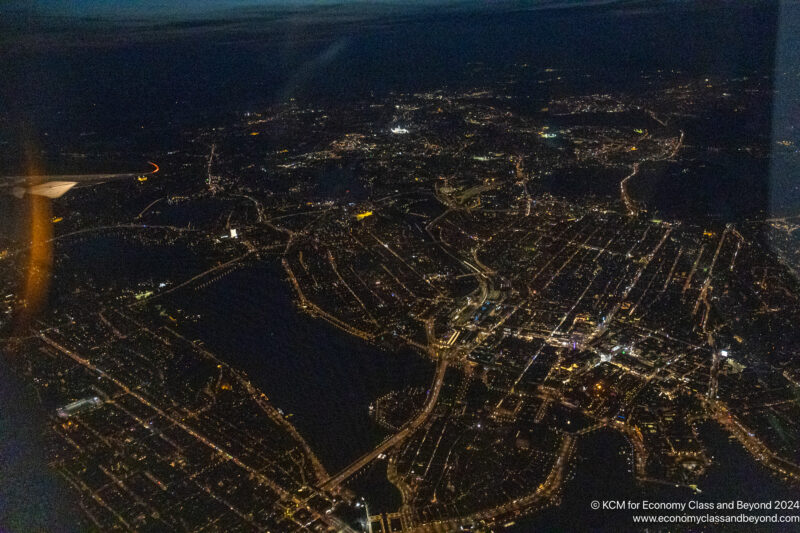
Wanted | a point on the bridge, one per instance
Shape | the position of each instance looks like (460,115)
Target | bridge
(334,482)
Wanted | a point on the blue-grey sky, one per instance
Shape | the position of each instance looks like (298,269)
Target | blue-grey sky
(126,8)
(194,8)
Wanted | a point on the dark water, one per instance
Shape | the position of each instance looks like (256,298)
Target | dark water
(579,184)
(604,473)
(731,189)
(124,259)
(371,483)
(324,377)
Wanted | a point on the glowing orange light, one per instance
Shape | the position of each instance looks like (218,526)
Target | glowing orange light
(40,257)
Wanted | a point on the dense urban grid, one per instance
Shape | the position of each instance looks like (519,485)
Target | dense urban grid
(516,243)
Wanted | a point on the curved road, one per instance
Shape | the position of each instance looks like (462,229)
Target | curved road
(333,482)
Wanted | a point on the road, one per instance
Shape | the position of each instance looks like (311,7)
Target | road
(335,481)
(543,494)
(751,443)
(331,522)
(623,190)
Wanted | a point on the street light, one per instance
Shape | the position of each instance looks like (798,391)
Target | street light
(366,510)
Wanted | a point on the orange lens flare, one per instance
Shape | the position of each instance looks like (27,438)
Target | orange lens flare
(39,265)
(39,261)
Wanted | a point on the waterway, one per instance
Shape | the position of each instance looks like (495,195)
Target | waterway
(604,471)
(323,378)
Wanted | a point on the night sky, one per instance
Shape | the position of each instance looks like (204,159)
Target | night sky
(146,8)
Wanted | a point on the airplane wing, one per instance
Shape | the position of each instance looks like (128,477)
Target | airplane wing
(57,186)
(50,189)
